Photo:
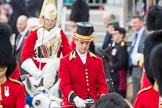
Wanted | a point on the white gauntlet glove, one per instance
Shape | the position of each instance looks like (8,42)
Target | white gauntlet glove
(79,102)
(31,68)
(136,57)
(37,74)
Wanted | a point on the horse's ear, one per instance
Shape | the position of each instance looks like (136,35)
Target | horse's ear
(30,88)
(55,88)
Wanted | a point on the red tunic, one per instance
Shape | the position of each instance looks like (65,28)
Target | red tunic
(80,78)
(147,98)
(16,98)
(144,81)
(16,73)
(29,44)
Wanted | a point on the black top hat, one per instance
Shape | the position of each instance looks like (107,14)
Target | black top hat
(6,53)
(154,18)
(150,42)
(155,62)
(80,11)
(84,31)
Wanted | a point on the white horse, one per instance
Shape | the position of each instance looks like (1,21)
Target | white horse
(39,97)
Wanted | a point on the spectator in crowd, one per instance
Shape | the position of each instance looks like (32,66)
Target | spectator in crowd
(79,13)
(23,30)
(136,53)
(19,8)
(110,28)
(118,60)
(5,14)
(81,72)
(9,96)
(43,47)
(107,17)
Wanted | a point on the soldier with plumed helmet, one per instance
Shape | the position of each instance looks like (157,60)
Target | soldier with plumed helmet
(43,47)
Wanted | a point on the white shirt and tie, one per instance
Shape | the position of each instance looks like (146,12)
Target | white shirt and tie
(20,38)
(134,55)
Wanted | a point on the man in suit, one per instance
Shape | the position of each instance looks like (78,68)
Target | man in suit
(136,52)
(23,32)
(107,17)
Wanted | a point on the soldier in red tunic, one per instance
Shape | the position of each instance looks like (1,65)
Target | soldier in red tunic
(149,97)
(12,94)
(81,72)
(43,47)
(153,24)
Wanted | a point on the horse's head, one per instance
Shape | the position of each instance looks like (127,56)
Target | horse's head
(42,99)
(39,97)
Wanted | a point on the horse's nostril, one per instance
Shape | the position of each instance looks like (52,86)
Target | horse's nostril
(37,102)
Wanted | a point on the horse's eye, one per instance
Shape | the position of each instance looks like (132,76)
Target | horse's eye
(37,102)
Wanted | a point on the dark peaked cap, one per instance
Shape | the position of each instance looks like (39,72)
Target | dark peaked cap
(151,41)
(79,11)
(154,18)
(155,62)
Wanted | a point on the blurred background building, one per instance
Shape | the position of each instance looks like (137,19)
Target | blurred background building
(122,9)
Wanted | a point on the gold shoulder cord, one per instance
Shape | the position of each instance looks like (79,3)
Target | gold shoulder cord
(1,82)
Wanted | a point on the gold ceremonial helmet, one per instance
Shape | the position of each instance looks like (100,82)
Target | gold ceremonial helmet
(48,10)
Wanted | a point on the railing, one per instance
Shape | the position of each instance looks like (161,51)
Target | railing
(89,2)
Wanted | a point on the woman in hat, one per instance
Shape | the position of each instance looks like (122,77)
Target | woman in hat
(118,60)
(81,72)
(12,94)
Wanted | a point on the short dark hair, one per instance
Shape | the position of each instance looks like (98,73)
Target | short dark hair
(138,17)
(111,100)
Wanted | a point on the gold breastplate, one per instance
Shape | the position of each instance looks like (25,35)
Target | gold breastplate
(48,46)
